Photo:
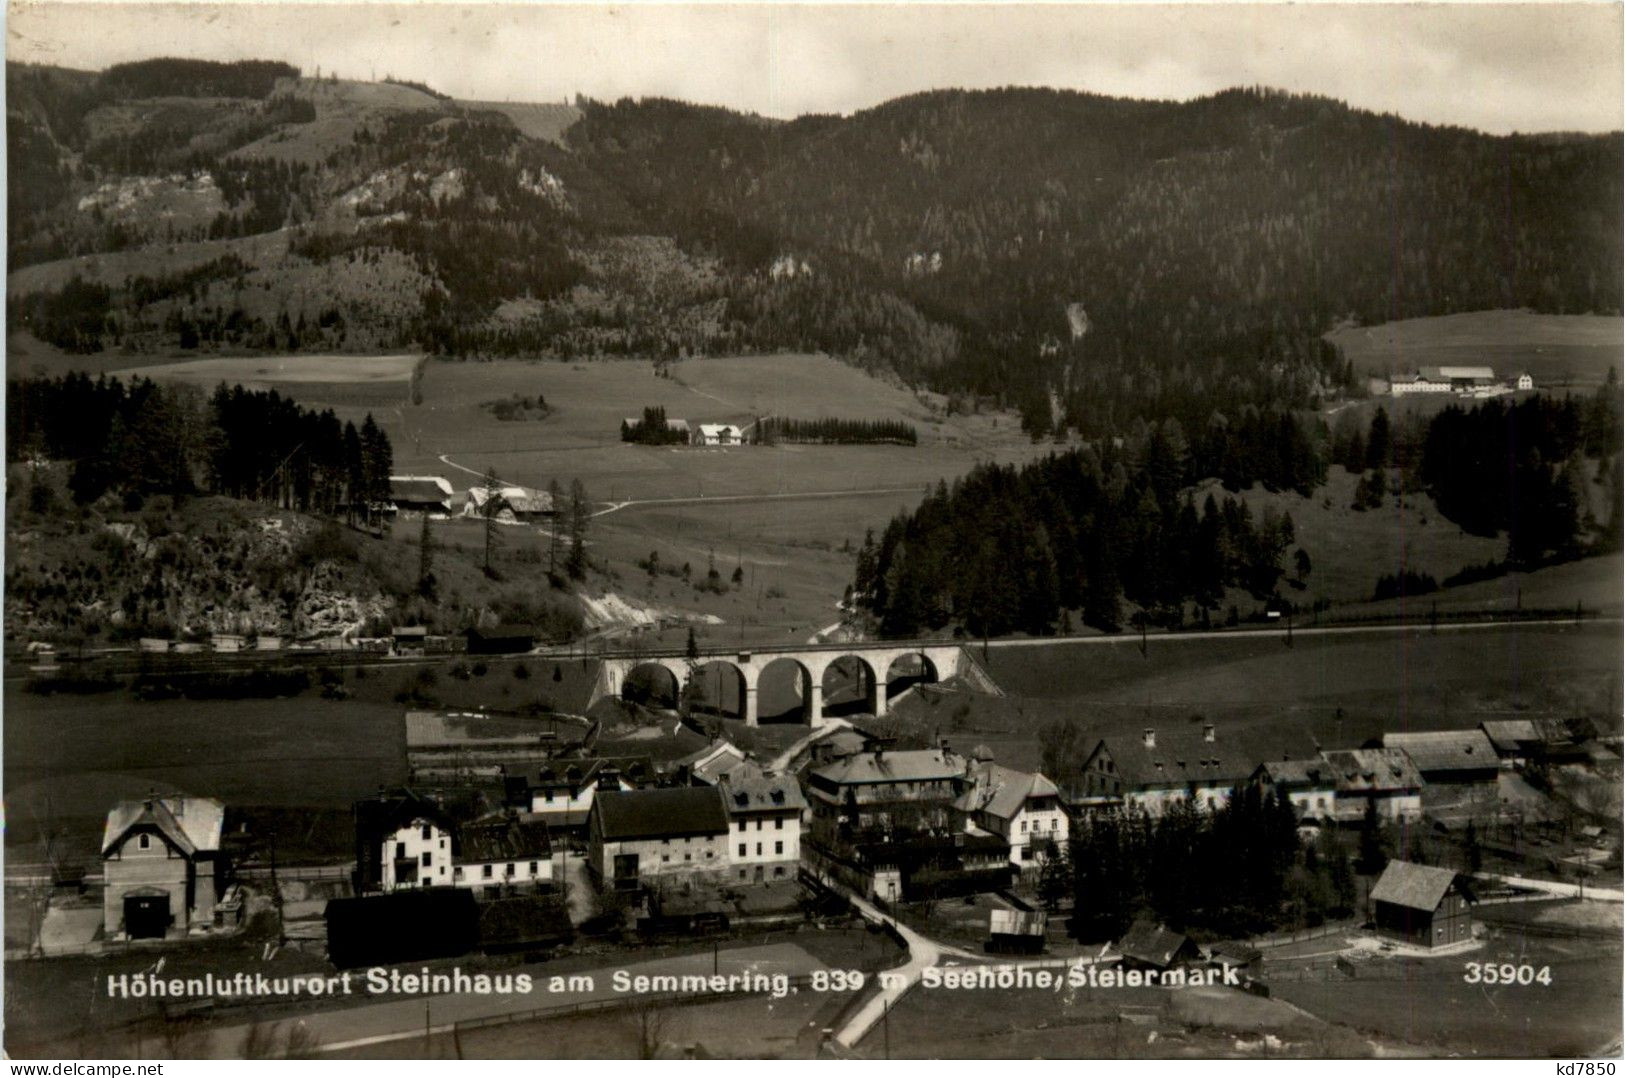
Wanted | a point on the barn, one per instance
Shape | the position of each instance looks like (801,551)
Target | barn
(1422,905)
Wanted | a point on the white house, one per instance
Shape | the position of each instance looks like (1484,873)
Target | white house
(1384,777)
(1526,381)
(764,827)
(718,434)
(563,794)
(1021,807)
(403,839)
(490,855)
(1308,784)
(162,866)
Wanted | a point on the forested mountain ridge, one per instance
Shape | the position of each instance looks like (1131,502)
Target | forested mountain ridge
(1085,258)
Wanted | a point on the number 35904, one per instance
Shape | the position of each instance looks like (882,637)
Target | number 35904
(1506,973)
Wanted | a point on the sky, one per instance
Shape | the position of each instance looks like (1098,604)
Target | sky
(1497,68)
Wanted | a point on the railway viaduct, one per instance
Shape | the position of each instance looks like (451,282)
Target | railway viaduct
(874,664)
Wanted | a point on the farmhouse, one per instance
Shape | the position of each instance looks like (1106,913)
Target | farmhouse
(1456,757)
(503,854)
(1446,380)
(1021,807)
(1158,769)
(1421,905)
(1383,777)
(419,495)
(765,814)
(1308,784)
(1148,945)
(508,505)
(639,835)
(718,434)
(162,865)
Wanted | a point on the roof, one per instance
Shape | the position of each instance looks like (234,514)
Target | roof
(1510,735)
(1002,791)
(718,762)
(778,794)
(418,488)
(718,428)
(1148,942)
(1445,750)
(388,813)
(1235,951)
(410,630)
(1360,771)
(909,765)
(192,824)
(683,810)
(506,839)
(1299,774)
(1417,887)
(1182,756)
(519,499)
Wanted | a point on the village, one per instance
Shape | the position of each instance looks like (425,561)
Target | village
(519,838)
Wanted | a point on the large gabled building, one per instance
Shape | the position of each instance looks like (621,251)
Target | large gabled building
(880,790)
(162,866)
(1022,807)
(635,837)
(1158,769)
(1384,778)
(1449,757)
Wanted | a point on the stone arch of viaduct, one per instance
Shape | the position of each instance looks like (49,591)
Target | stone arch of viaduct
(944,662)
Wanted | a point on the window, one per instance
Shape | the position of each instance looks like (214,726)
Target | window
(457,873)
(508,870)
(778,824)
(533,871)
(778,870)
(1024,827)
(425,832)
(688,857)
(758,825)
(145,842)
(400,849)
(549,798)
(485,871)
(741,849)
(742,825)
(741,873)
(758,849)
(778,847)
(427,859)
(665,858)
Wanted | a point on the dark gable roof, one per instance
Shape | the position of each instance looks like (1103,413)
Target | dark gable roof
(778,794)
(1363,771)
(418,489)
(504,840)
(1152,944)
(1183,756)
(1445,750)
(908,765)
(669,813)
(1417,887)
(385,815)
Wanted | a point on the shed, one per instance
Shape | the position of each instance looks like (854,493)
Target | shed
(1246,959)
(1148,945)
(1421,905)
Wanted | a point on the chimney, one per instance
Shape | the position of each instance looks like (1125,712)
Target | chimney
(1150,738)
(1208,733)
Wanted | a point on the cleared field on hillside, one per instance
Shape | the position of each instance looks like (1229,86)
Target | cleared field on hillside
(537,121)
(1342,689)
(1348,551)
(264,372)
(1557,349)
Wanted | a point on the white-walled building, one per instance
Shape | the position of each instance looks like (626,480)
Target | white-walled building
(718,434)
(764,821)
(1021,807)
(503,852)
(1384,777)
(635,836)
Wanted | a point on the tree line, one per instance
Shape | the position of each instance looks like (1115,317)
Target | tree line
(653,429)
(1070,536)
(776,429)
(145,438)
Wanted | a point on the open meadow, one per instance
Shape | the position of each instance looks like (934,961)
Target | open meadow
(1557,349)
(1337,689)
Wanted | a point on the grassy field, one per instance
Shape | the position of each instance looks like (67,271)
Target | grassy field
(1574,350)
(1350,550)
(67,759)
(1338,689)
(1576,1015)
(261,373)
